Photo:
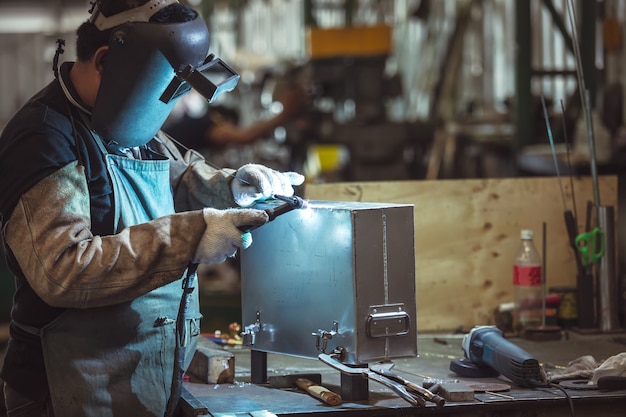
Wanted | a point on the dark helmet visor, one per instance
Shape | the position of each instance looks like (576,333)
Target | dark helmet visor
(211,79)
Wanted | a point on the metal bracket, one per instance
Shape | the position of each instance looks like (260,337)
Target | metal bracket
(323,336)
(249,333)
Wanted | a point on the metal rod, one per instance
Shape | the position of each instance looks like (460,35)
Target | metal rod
(579,67)
(543,276)
(607,278)
(556,164)
(585,104)
(592,154)
(569,163)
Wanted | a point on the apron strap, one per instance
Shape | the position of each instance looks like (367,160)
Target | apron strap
(94,134)
(28,329)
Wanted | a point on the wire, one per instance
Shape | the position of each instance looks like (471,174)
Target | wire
(556,163)
(569,398)
(55,61)
(539,384)
(188,285)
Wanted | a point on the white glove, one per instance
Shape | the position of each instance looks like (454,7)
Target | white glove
(254,182)
(225,233)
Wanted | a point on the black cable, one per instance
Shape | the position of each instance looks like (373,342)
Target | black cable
(569,399)
(55,61)
(539,384)
(188,286)
(55,69)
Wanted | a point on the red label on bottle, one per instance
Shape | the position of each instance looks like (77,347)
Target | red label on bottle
(527,276)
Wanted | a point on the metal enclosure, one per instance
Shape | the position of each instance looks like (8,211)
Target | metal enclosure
(335,274)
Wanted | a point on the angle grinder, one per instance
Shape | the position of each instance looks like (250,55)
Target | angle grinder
(488,354)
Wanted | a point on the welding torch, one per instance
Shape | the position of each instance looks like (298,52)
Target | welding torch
(289,203)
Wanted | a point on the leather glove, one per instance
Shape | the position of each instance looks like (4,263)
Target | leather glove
(225,233)
(254,182)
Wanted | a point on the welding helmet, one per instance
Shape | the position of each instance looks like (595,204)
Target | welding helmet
(148,66)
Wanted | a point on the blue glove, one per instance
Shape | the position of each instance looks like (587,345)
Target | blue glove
(254,182)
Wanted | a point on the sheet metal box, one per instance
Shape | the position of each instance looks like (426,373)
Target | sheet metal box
(335,274)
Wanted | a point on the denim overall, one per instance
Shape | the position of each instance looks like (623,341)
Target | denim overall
(119,360)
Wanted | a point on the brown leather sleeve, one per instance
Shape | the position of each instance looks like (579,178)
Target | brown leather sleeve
(196,183)
(49,234)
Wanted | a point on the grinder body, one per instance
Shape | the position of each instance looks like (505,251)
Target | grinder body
(485,346)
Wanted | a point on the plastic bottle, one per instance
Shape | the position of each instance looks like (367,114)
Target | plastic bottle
(527,287)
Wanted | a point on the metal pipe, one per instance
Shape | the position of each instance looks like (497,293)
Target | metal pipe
(607,278)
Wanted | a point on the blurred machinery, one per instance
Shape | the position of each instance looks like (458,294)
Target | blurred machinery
(352,89)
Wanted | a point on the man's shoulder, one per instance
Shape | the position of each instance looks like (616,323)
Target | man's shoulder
(37,141)
(44,110)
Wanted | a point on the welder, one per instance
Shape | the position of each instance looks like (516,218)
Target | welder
(102,215)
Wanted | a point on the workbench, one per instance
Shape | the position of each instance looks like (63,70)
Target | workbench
(242,398)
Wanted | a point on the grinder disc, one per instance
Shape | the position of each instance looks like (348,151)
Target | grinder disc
(467,368)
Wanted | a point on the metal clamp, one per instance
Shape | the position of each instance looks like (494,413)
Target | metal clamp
(248,335)
(323,336)
(408,391)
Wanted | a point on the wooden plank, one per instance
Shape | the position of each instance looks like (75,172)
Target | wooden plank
(467,233)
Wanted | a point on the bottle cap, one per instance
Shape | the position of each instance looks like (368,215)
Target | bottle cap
(526,234)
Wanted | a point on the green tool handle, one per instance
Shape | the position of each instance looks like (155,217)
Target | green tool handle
(587,245)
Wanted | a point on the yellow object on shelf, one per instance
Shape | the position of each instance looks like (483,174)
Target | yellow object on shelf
(352,41)
(331,157)
(324,159)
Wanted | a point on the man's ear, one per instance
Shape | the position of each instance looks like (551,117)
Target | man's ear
(99,58)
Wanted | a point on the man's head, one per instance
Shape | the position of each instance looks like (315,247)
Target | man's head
(90,38)
(145,54)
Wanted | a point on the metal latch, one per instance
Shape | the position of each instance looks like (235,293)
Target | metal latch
(248,336)
(323,336)
(387,320)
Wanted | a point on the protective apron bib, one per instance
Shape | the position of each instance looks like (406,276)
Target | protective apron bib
(119,359)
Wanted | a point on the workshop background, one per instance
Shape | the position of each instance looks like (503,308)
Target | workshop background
(437,103)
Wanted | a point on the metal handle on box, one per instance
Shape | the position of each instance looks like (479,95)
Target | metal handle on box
(386,321)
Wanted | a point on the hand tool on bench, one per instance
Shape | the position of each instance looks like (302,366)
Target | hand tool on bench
(309,382)
(318,391)
(406,392)
(428,393)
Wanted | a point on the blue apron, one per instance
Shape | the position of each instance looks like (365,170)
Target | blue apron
(119,360)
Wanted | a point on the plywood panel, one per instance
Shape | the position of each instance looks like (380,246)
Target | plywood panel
(467,233)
